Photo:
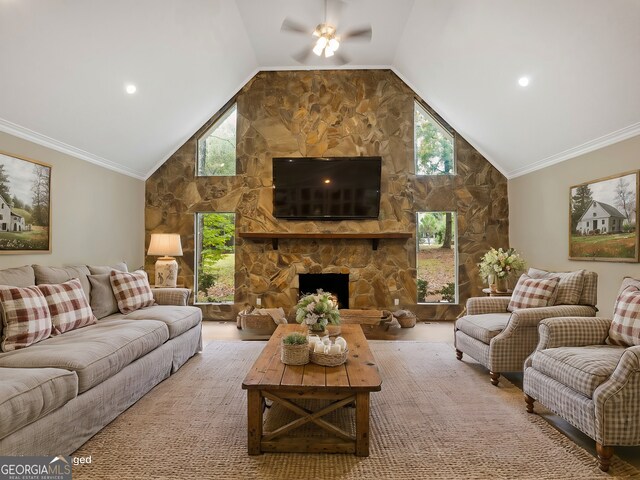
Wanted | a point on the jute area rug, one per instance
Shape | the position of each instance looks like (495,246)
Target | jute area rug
(435,417)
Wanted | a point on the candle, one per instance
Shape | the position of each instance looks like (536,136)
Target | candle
(342,342)
(326,340)
(334,350)
(319,348)
(313,339)
(327,349)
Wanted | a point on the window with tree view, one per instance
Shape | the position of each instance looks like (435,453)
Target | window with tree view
(434,146)
(215,257)
(217,147)
(437,257)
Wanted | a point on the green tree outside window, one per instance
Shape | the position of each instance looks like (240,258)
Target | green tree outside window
(217,147)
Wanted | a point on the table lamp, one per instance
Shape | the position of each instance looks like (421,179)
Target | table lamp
(165,245)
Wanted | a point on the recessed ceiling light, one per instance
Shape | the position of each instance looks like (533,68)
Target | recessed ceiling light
(523,81)
(131,89)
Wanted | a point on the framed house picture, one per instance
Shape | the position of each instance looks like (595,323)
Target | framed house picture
(25,205)
(603,219)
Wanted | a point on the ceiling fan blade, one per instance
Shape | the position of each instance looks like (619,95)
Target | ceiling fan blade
(302,56)
(363,33)
(334,10)
(289,25)
(340,59)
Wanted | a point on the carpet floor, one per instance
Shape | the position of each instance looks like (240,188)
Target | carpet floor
(435,418)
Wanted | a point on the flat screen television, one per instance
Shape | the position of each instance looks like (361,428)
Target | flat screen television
(341,188)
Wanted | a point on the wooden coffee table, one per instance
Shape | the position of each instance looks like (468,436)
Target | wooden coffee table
(346,384)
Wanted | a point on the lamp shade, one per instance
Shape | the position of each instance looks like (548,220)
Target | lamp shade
(165,244)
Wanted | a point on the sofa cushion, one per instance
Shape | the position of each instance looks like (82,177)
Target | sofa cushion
(625,327)
(52,275)
(28,394)
(132,290)
(581,368)
(483,327)
(106,269)
(533,292)
(178,319)
(18,277)
(103,301)
(25,317)
(569,287)
(95,353)
(68,306)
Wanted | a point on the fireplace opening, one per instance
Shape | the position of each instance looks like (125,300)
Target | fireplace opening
(335,283)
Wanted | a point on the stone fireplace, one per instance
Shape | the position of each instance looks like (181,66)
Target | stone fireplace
(323,114)
(335,283)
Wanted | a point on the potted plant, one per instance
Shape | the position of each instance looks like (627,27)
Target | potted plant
(500,264)
(294,349)
(317,311)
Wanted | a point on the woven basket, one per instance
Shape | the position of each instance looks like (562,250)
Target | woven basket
(406,321)
(261,323)
(294,354)
(328,360)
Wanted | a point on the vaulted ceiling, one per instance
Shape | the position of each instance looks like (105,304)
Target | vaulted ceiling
(64,65)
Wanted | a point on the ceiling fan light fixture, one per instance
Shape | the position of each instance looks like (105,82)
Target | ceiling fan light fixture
(320,45)
(334,44)
(328,52)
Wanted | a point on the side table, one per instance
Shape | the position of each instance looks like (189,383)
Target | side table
(489,293)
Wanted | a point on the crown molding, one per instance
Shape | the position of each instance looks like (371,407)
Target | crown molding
(595,144)
(26,134)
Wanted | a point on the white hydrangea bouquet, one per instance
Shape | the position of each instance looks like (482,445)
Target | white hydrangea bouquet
(499,264)
(317,310)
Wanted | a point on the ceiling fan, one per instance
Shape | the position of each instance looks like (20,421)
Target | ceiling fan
(326,40)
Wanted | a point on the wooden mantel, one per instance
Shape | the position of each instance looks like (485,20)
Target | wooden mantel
(275,236)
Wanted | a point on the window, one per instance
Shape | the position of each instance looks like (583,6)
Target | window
(602,222)
(217,147)
(594,214)
(215,257)
(437,257)
(433,145)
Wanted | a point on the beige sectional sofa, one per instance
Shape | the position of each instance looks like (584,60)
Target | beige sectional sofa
(59,392)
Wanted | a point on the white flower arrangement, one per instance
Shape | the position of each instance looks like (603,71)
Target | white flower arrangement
(500,263)
(317,310)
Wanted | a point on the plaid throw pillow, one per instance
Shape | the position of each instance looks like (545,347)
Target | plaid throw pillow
(132,290)
(533,292)
(68,306)
(625,327)
(569,287)
(26,317)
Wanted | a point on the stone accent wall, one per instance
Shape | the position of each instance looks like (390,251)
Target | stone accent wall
(330,113)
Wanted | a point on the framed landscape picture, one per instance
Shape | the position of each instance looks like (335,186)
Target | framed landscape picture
(603,219)
(25,205)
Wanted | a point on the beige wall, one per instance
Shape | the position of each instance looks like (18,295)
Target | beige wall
(539,214)
(97,214)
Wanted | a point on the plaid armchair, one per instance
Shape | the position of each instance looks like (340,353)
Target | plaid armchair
(592,384)
(501,340)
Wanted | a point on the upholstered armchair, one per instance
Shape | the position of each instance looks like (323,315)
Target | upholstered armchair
(593,384)
(501,340)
